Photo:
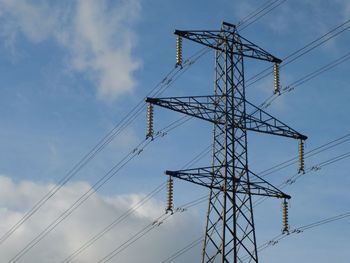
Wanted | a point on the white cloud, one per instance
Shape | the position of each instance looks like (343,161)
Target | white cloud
(94,50)
(28,18)
(87,220)
(98,37)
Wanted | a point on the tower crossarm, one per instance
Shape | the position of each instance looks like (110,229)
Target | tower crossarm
(204,176)
(258,186)
(260,121)
(211,177)
(210,108)
(203,107)
(216,39)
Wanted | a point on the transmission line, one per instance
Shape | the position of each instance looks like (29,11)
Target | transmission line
(69,176)
(115,222)
(322,222)
(317,167)
(112,172)
(99,147)
(121,218)
(315,47)
(183,250)
(339,29)
(261,13)
(59,186)
(165,83)
(313,152)
(292,161)
(141,233)
(314,168)
(306,78)
(254,13)
(274,241)
(156,223)
(291,87)
(326,146)
(251,17)
(321,70)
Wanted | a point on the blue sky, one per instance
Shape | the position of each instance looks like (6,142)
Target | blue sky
(71,70)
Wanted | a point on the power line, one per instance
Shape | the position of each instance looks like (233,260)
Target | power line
(334,160)
(326,146)
(313,152)
(314,168)
(115,222)
(306,78)
(261,13)
(255,12)
(274,241)
(166,82)
(323,222)
(129,118)
(88,157)
(289,162)
(321,70)
(327,67)
(141,233)
(156,223)
(112,172)
(339,29)
(255,20)
(291,87)
(183,250)
(256,15)
(285,183)
(121,218)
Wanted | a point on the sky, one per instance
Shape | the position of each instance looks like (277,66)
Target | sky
(72,70)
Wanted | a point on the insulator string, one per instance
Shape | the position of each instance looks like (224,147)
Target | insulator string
(178,51)
(285,225)
(150,130)
(301,157)
(276,73)
(170,205)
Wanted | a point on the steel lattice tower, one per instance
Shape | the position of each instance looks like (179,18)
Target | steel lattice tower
(230,231)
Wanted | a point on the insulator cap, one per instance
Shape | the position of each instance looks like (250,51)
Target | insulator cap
(178,51)
(149,121)
(301,157)
(170,188)
(276,73)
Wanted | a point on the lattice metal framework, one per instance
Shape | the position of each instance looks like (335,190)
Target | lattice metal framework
(230,231)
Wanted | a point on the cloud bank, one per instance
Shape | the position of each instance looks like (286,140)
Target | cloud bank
(89,219)
(97,36)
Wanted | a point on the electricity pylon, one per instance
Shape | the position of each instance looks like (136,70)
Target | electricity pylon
(230,230)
